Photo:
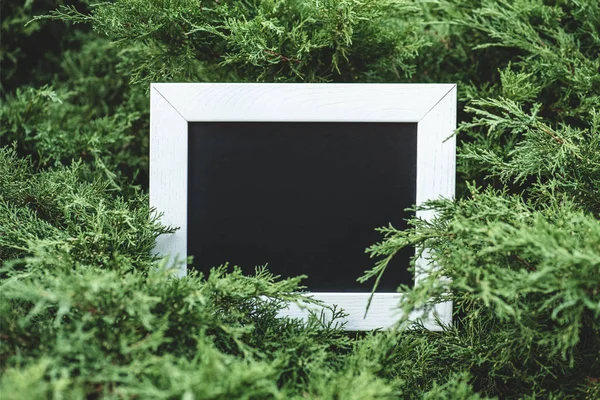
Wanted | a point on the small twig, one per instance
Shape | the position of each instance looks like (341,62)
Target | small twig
(559,140)
(527,264)
(282,57)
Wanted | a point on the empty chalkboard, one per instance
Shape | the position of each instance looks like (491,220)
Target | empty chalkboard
(298,176)
(304,197)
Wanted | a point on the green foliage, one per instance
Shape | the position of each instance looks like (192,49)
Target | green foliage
(51,126)
(541,55)
(551,162)
(457,387)
(30,52)
(86,311)
(145,334)
(531,272)
(83,221)
(94,116)
(521,261)
(327,40)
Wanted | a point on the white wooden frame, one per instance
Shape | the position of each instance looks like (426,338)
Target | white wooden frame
(431,106)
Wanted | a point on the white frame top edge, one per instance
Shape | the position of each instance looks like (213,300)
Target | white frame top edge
(303,102)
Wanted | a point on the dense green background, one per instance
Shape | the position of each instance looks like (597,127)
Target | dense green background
(86,312)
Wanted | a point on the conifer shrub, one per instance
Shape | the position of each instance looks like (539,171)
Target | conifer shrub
(86,310)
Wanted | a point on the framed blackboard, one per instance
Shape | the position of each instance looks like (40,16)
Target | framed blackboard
(299,176)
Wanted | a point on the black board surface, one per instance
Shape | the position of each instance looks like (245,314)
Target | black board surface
(304,197)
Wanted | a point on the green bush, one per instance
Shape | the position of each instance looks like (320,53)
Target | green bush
(86,310)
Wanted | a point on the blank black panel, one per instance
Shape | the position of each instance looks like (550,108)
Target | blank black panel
(303,197)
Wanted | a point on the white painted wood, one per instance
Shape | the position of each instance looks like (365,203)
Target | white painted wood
(336,102)
(436,171)
(431,106)
(436,154)
(168,176)
(384,311)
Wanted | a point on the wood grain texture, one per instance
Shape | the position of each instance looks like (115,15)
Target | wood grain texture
(336,102)
(436,173)
(168,176)
(383,313)
(431,106)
